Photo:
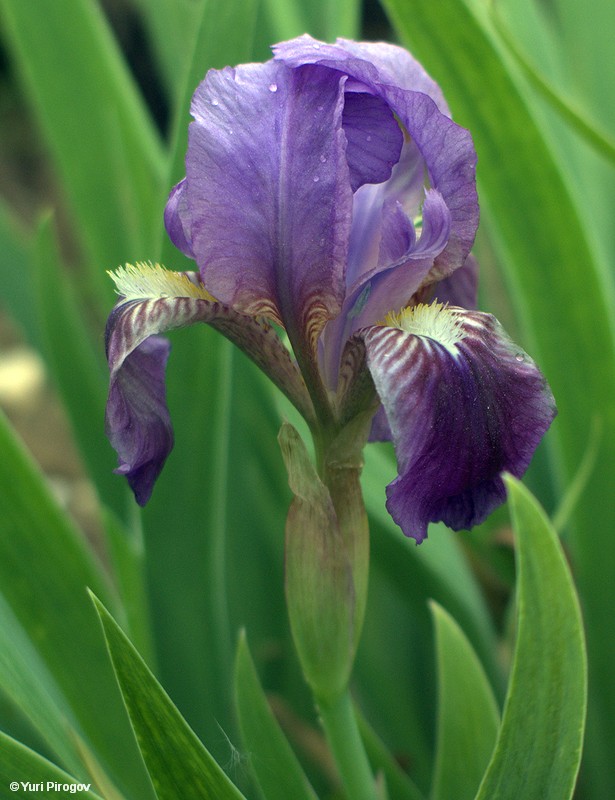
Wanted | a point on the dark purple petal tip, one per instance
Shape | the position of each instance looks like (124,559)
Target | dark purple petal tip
(137,420)
(464,405)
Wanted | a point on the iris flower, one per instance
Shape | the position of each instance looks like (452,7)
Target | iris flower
(329,196)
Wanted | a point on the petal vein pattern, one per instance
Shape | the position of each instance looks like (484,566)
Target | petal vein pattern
(267,195)
(461,411)
(137,419)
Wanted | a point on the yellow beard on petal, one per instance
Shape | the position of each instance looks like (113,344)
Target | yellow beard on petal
(436,321)
(147,281)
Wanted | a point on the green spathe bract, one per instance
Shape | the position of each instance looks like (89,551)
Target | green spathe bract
(325,602)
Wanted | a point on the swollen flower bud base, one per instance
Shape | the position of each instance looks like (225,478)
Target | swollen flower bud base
(327,560)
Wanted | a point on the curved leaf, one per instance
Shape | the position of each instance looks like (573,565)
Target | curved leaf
(468,716)
(23,767)
(591,132)
(278,773)
(176,760)
(45,567)
(538,751)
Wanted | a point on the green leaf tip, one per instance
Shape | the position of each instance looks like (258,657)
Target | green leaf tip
(538,751)
(465,703)
(177,761)
(276,770)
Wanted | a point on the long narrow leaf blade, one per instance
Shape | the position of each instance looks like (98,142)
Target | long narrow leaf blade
(596,138)
(538,751)
(28,683)
(23,773)
(76,368)
(45,569)
(94,121)
(275,766)
(468,717)
(177,762)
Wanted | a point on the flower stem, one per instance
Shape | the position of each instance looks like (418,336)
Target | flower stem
(342,732)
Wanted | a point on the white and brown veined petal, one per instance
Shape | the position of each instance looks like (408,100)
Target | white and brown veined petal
(464,404)
(154,301)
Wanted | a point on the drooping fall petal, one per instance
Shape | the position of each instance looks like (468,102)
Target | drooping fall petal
(154,301)
(137,420)
(463,404)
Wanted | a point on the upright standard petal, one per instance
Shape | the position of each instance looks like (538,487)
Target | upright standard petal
(154,301)
(464,404)
(447,149)
(376,61)
(177,219)
(374,139)
(266,204)
(402,266)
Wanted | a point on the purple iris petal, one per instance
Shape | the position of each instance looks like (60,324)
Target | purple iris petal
(374,139)
(403,261)
(267,193)
(380,430)
(403,265)
(460,288)
(370,218)
(176,219)
(375,61)
(137,419)
(464,404)
(446,148)
(398,235)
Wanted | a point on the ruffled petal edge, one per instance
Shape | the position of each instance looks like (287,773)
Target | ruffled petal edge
(464,404)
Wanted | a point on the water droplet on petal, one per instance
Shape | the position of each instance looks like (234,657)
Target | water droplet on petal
(369,137)
(273,87)
(316,46)
(519,357)
(323,159)
(316,178)
(214,102)
(320,108)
